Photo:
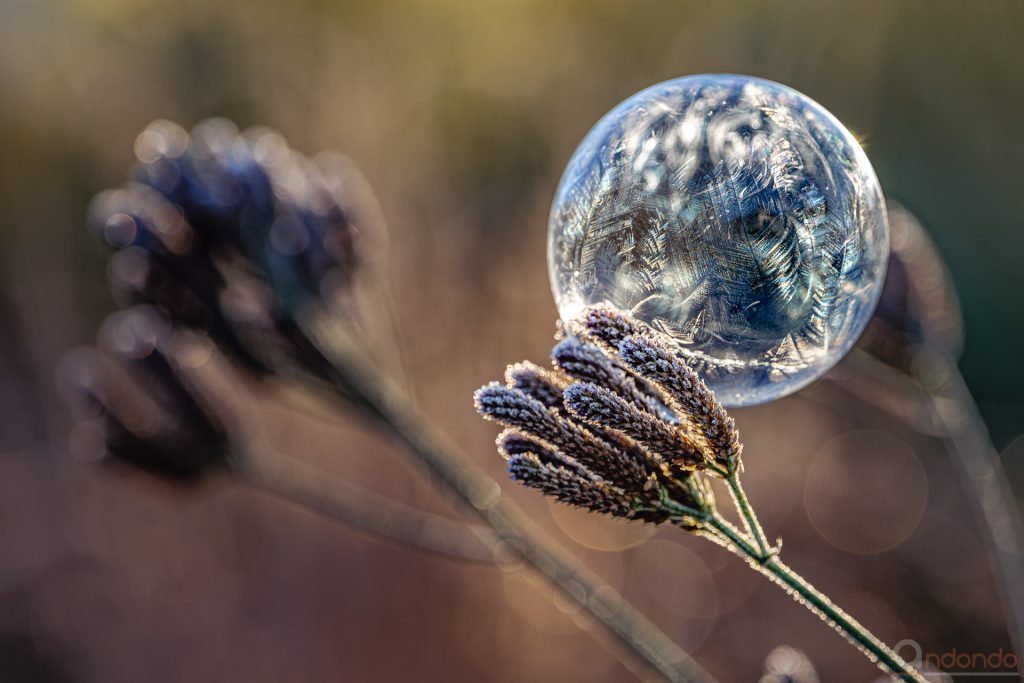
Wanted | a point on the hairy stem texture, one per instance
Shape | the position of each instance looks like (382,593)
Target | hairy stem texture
(816,601)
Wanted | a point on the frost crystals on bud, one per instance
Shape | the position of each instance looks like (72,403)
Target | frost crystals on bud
(622,425)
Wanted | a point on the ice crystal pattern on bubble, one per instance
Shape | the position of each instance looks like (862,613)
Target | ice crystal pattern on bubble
(733,214)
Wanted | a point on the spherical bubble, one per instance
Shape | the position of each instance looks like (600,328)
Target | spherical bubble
(734,214)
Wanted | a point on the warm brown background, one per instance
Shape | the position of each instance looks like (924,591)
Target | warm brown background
(462,115)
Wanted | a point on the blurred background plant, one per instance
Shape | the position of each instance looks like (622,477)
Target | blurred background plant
(258,252)
(462,115)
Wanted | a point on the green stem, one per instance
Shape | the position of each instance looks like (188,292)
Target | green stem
(739,498)
(803,592)
(734,539)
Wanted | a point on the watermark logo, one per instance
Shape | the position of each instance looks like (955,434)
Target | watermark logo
(956,663)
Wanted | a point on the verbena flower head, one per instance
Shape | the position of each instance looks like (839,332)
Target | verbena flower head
(620,424)
(146,411)
(231,232)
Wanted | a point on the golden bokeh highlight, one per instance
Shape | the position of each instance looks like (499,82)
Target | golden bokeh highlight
(599,532)
(866,492)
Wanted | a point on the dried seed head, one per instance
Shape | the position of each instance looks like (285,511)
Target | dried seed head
(161,260)
(149,414)
(608,325)
(543,385)
(514,408)
(631,435)
(588,363)
(694,401)
(250,194)
(599,406)
(569,488)
(231,232)
(512,442)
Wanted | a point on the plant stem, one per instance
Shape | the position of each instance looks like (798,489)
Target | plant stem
(950,412)
(516,531)
(980,468)
(818,602)
(739,498)
(365,510)
(804,593)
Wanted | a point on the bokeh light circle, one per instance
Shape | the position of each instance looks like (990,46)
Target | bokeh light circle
(865,492)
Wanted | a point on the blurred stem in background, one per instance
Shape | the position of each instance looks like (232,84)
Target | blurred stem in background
(157,418)
(947,411)
(906,365)
(265,251)
(980,469)
(364,509)
(515,533)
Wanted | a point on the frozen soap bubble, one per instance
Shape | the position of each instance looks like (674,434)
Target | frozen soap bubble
(734,214)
